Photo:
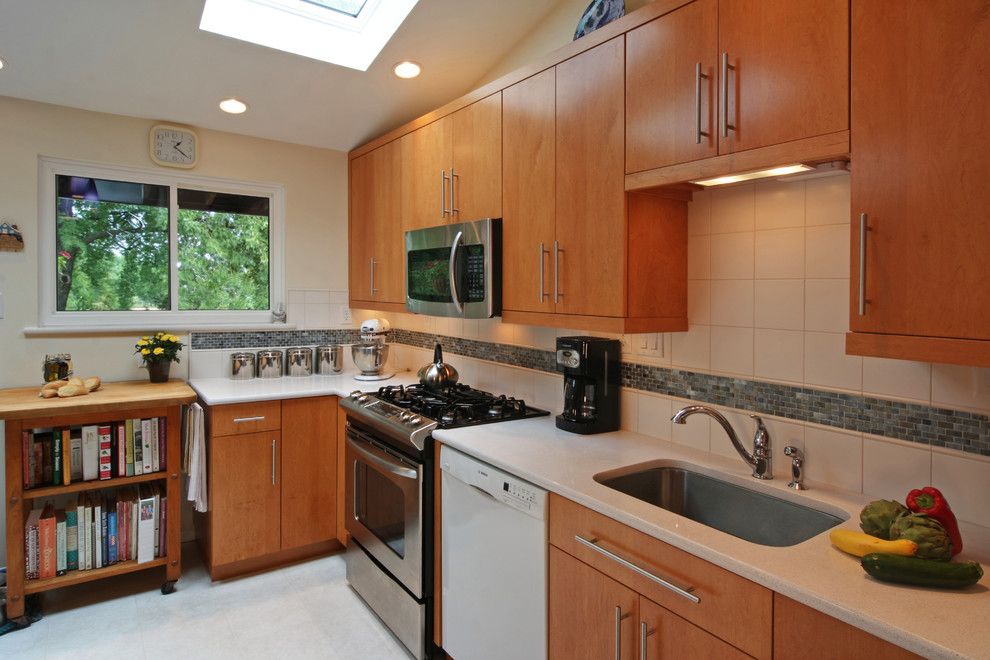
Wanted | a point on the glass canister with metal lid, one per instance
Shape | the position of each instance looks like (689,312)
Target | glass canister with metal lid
(57,366)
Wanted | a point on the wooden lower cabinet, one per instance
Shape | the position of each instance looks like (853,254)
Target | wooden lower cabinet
(803,632)
(273,492)
(593,616)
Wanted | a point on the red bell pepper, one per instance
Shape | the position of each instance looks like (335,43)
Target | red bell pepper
(932,503)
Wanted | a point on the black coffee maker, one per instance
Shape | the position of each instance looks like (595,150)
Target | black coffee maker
(591,384)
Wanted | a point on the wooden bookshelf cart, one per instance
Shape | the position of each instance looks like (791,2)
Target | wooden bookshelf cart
(21,408)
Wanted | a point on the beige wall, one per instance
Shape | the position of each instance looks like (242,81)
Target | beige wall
(556,29)
(315,182)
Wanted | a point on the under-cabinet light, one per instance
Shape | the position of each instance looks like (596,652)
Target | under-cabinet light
(756,174)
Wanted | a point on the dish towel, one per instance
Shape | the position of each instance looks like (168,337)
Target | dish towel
(194,459)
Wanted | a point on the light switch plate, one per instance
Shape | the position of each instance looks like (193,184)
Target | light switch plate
(1,305)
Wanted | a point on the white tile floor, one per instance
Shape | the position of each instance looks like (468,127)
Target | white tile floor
(301,611)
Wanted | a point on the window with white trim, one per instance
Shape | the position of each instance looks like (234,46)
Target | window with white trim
(133,247)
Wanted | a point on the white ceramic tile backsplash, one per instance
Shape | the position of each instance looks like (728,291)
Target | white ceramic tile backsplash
(780,253)
(965,482)
(732,256)
(779,204)
(891,468)
(779,304)
(779,355)
(834,457)
(732,302)
(733,209)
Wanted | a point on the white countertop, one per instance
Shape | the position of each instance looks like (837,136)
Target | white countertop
(220,391)
(931,622)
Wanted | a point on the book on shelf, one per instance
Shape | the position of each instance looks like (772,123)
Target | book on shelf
(106,452)
(31,558)
(46,543)
(46,457)
(66,457)
(146,530)
(162,443)
(97,532)
(138,448)
(56,458)
(61,547)
(75,455)
(129,447)
(72,535)
(91,452)
(153,423)
(120,450)
(146,443)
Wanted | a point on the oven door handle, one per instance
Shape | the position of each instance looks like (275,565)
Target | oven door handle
(451,267)
(383,461)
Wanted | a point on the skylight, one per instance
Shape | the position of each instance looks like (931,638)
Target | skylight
(349,33)
(349,7)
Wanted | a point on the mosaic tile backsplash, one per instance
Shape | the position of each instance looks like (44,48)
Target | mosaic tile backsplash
(927,425)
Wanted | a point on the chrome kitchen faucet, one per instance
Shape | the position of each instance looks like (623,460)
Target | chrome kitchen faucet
(761,460)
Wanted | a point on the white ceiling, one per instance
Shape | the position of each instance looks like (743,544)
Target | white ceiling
(148,58)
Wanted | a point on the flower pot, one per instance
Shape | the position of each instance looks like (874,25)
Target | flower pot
(158,371)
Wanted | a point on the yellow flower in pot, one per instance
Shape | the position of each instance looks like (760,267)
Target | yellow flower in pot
(158,352)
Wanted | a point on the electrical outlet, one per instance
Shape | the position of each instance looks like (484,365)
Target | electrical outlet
(345,315)
(647,345)
(1,305)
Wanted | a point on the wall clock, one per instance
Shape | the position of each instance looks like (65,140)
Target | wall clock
(174,146)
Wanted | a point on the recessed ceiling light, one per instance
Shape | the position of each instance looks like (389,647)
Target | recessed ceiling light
(233,106)
(407,69)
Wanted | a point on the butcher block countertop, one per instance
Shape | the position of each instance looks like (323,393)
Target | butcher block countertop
(24,402)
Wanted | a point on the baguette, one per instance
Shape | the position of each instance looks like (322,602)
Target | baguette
(54,385)
(92,384)
(71,390)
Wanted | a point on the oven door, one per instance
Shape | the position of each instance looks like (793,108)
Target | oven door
(384,508)
(455,270)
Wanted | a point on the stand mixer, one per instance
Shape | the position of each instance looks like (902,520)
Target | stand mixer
(371,354)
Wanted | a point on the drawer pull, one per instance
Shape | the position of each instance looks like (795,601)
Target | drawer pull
(684,592)
(241,420)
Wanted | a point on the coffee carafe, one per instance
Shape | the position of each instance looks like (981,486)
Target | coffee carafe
(591,384)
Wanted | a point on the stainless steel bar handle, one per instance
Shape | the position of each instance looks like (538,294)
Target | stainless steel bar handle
(725,95)
(618,633)
(443,193)
(863,228)
(452,272)
(642,640)
(373,263)
(557,295)
(698,77)
(684,592)
(453,207)
(241,420)
(273,461)
(543,294)
(383,461)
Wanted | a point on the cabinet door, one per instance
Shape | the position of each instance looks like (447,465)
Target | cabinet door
(670,88)
(591,616)
(802,632)
(309,470)
(425,157)
(477,160)
(920,128)
(590,190)
(376,241)
(663,634)
(528,175)
(791,70)
(245,495)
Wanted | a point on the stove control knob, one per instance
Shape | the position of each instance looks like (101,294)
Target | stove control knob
(404,416)
(355,394)
(415,420)
(362,398)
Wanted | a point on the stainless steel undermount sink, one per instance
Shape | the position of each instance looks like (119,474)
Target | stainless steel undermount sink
(742,512)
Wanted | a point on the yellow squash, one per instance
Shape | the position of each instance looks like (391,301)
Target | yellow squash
(860,544)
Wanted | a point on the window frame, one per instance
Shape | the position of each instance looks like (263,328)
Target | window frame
(48,314)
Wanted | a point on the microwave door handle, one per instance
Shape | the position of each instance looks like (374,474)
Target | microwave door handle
(453,275)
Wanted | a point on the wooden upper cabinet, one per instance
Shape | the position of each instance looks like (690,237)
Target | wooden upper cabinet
(920,129)
(528,201)
(477,160)
(309,471)
(590,193)
(788,75)
(245,492)
(670,88)
(425,162)
(586,611)
(376,246)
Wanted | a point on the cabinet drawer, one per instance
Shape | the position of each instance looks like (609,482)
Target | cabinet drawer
(250,417)
(730,607)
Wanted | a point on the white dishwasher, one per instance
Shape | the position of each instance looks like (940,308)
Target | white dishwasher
(494,544)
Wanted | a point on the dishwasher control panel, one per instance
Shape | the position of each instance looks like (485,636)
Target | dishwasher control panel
(500,486)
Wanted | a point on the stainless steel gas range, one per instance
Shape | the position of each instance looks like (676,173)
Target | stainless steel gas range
(389,485)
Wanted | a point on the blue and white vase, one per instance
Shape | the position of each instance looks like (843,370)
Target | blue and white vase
(599,13)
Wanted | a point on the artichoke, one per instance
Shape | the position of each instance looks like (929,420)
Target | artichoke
(932,539)
(876,517)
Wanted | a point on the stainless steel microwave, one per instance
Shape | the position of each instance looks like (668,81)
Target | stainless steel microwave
(455,270)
